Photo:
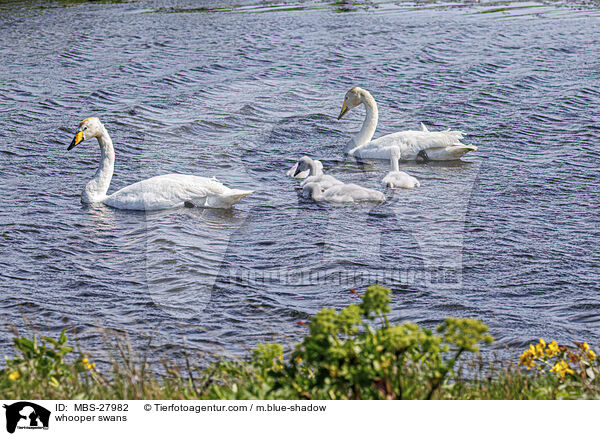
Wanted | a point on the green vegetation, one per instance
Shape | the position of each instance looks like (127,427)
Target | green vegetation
(354,353)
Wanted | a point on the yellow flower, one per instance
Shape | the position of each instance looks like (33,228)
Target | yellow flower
(552,349)
(281,357)
(87,364)
(585,349)
(539,348)
(527,358)
(561,368)
(14,375)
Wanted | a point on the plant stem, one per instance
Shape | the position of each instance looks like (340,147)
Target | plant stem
(437,382)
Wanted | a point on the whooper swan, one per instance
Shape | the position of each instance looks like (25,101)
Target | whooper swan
(345,193)
(160,192)
(315,173)
(396,178)
(420,145)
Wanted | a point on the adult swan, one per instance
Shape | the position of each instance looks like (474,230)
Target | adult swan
(160,192)
(413,144)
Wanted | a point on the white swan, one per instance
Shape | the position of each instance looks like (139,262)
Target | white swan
(315,173)
(303,174)
(414,144)
(160,192)
(342,193)
(396,178)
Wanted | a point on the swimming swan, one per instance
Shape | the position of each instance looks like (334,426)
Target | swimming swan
(315,173)
(343,193)
(414,144)
(396,178)
(160,192)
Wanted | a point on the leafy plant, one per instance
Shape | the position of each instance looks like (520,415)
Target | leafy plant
(355,354)
(41,358)
(42,363)
(347,356)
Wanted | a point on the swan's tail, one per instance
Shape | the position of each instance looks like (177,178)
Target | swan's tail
(458,150)
(451,152)
(226,200)
(469,147)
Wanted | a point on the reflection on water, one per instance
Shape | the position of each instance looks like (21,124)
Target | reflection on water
(99,217)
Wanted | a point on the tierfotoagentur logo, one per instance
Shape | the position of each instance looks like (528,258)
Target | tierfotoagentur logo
(27,416)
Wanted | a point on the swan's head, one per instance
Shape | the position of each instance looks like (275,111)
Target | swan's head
(310,189)
(306,163)
(353,98)
(88,129)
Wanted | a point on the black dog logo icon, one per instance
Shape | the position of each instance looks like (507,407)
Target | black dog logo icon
(32,416)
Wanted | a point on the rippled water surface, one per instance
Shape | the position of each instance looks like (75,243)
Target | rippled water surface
(508,235)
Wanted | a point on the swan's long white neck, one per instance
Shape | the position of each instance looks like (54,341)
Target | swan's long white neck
(369,125)
(395,157)
(96,189)
(315,168)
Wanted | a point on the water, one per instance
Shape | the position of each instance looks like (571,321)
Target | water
(240,93)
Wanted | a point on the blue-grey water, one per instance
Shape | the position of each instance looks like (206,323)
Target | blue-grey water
(508,235)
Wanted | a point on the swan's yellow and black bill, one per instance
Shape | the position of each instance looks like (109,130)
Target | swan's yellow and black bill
(76,140)
(345,109)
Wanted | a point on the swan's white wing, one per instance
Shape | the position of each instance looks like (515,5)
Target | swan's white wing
(173,190)
(351,193)
(444,145)
(325,180)
(411,142)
